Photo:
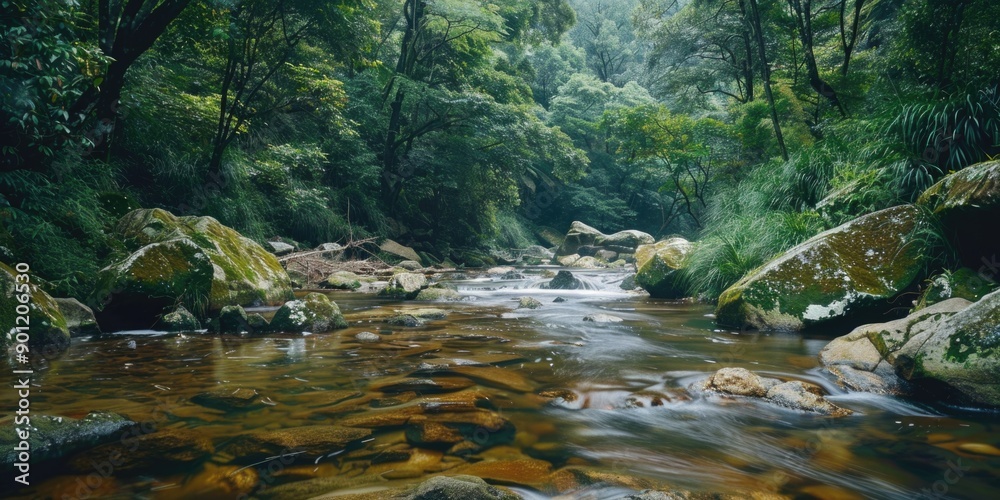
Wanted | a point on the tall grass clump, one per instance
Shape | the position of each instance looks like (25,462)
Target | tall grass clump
(747,225)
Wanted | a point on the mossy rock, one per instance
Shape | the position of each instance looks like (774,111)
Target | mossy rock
(579,235)
(342,280)
(977,186)
(180,320)
(54,437)
(658,265)
(314,313)
(233,319)
(79,318)
(193,260)
(47,328)
(964,283)
(438,293)
(404,285)
(848,272)
(962,353)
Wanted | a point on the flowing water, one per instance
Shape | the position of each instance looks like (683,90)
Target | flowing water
(614,399)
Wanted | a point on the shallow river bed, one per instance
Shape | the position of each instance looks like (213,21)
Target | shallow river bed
(538,400)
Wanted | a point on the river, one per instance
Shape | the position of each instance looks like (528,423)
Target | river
(609,398)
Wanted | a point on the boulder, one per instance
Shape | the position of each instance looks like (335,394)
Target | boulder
(315,313)
(165,449)
(407,253)
(410,265)
(568,260)
(79,318)
(330,248)
(863,359)
(234,319)
(846,273)
(56,437)
(794,394)
(606,255)
(280,248)
(404,286)
(974,187)
(964,283)
(963,200)
(579,235)
(589,263)
(407,320)
(629,238)
(564,280)
(180,320)
(657,267)
(191,260)
(47,328)
(342,280)
(535,255)
(438,292)
(962,354)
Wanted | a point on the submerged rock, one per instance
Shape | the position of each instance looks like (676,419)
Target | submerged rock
(180,320)
(228,398)
(56,437)
(407,320)
(191,260)
(310,440)
(368,338)
(847,272)
(658,267)
(315,313)
(602,318)
(162,450)
(564,280)
(460,487)
(47,324)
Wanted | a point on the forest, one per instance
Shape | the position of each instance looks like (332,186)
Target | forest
(500,249)
(460,127)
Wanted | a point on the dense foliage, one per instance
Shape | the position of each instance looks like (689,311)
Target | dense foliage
(456,125)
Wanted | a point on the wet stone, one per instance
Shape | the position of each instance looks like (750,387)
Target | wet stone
(228,398)
(407,320)
(367,337)
(528,303)
(165,449)
(310,440)
(424,385)
(602,318)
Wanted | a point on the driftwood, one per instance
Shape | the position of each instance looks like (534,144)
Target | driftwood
(317,265)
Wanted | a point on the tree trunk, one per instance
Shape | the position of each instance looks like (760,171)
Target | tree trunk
(848,42)
(766,76)
(748,50)
(803,20)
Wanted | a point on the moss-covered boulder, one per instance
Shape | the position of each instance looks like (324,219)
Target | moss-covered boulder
(342,280)
(964,283)
(54,437)
(233,319)
(657,267)
(846,273)
(193,260)
(582,235)
(962,353)
(579,235)
(315,313)
(180,320)
(46,325)
(963,201)
(404,286)
(977,186)
(79,318)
